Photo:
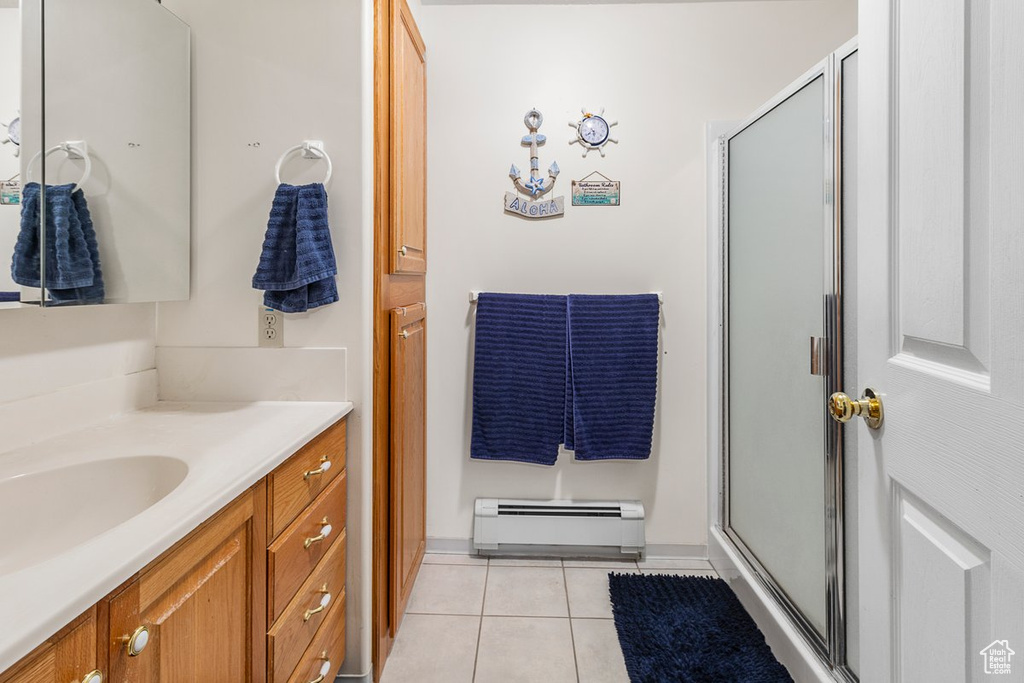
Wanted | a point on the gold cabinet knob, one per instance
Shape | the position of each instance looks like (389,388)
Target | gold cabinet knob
(842,408)
(325,531)
(325,668)
(325,599)
(94,676)
(325,464)
(137,641)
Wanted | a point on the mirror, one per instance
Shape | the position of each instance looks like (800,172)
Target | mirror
(16,137)
(114,115)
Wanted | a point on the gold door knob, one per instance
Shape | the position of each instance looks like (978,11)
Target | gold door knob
(842,408)
(94,676)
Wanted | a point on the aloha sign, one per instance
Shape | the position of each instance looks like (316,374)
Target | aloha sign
(545,208)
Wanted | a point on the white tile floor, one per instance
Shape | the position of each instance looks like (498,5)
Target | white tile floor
(515,621)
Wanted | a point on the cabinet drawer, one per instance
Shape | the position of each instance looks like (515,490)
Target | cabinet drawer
(298,481)
(290,635)
(327,648)
(293,555)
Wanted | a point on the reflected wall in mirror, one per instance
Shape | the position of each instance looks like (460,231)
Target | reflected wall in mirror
(18,34)
(115,154)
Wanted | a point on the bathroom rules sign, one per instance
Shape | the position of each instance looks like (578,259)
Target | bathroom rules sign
(595,192)
(545,208)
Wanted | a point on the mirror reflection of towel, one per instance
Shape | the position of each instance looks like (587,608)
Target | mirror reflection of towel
(297,266)
(73,274)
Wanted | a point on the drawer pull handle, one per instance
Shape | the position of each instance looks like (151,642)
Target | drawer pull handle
(325,668)
(325,531)
(94,676)
(325,464)
(137,641)
(324,601)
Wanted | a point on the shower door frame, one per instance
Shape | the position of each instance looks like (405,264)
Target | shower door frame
(830,647)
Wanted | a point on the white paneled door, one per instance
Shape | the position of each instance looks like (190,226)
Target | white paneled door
(940,319)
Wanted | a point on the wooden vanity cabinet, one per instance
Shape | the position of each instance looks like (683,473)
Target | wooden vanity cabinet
(210,610)
(306,560)
(196,603)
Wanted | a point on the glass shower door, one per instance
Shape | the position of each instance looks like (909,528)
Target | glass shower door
(779,274)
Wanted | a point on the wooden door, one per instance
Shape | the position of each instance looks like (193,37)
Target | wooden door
(197,605)
(408,451)
(940,320)
(399,282)
(408,146)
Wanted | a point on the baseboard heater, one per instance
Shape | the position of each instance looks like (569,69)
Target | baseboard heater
(500,523)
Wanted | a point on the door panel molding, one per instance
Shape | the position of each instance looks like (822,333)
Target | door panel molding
(408,448)
(941,573)
(940,174)
(408,147)
(930,116)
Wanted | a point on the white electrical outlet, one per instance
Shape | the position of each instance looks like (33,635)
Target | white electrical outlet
(271,328)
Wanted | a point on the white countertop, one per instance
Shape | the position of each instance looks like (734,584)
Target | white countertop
(228,447)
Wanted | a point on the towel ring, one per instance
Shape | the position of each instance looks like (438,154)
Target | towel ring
(311,149)
(74,150)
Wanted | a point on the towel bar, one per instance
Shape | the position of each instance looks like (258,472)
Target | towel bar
(474,295)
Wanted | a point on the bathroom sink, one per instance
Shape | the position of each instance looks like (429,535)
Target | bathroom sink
(43,514)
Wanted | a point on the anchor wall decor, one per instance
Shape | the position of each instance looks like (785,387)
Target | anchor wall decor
(534,205)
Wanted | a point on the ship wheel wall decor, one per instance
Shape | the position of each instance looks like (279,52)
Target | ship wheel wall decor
(593,131)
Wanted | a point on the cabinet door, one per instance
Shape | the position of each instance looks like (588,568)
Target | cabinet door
(67,657)
(196,603)
(408,452)
(409,147)
(40,667)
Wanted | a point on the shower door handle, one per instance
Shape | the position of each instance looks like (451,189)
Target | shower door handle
(819,362)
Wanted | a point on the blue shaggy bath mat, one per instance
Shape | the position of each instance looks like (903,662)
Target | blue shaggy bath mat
(688,629)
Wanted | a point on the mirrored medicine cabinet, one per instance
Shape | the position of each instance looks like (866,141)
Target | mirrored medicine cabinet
(95,162)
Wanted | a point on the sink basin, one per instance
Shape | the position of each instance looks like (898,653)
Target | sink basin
(43,514)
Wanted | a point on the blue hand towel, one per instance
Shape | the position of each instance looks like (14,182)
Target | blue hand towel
(518,377)
(612,372)
(73,273)
(297,266)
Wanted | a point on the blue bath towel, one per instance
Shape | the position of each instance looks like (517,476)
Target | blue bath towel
(73,273)
(612,376)
(297,266)
(518,377)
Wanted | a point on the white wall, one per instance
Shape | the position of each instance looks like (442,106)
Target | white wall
(661,70)
(266,76)
(10,103)
(62,369)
